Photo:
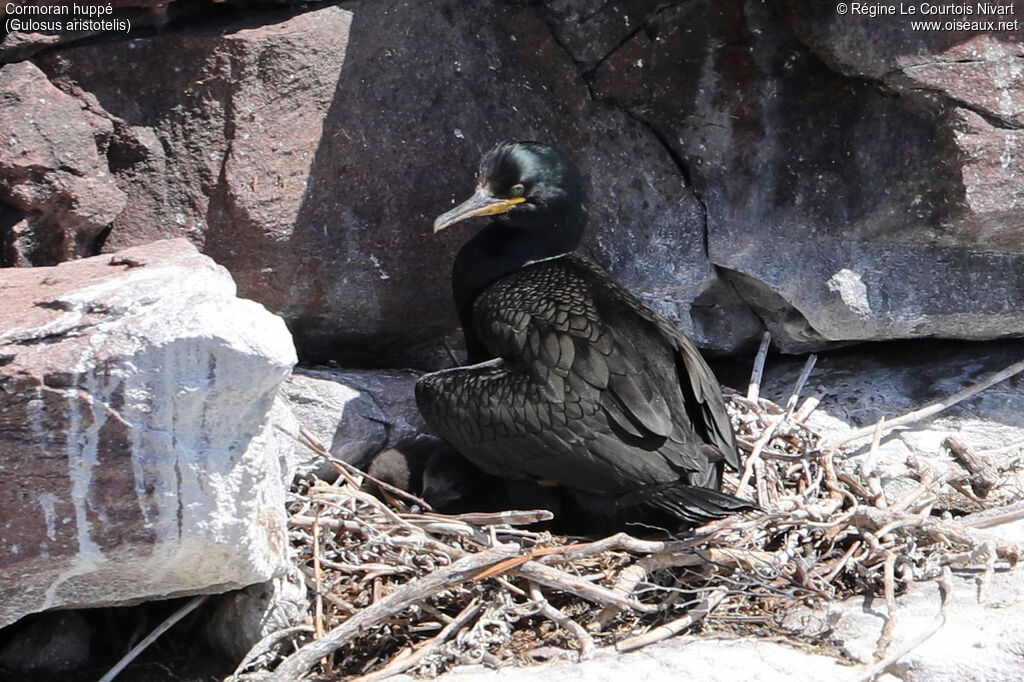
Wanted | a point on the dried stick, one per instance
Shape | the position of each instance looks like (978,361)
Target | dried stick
(994,517)
(755,454)
(984,475)
(946,585)
(882,521)
(889,588)
(698,612)
(300,662)
(754,389)
(511,517)
(620,542)
(809,405)
(552,577)
(805,374)
(318,579)
(402,663)
(265,645)
(586,642)
(188,608)
(933,409)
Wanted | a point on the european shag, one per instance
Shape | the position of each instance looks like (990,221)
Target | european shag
(575,382)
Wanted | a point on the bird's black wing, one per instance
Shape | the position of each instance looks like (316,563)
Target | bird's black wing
(701,392)
(546,321)
(585,391)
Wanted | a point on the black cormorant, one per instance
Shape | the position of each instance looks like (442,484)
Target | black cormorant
(575,382)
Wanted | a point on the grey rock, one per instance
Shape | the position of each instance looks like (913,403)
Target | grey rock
(750,164)
(242,618)
(135,457)
(839,211)
(281,155)
(353,413)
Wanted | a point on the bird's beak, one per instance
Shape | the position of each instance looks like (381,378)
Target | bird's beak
(481,203)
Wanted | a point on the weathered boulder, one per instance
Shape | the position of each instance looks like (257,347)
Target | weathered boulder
(135,461)
(52,174)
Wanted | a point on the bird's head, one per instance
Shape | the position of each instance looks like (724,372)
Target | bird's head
(526,185)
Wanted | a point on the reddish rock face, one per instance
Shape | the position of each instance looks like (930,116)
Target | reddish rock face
(133,390)
(51,172)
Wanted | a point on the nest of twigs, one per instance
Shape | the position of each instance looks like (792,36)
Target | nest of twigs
(396,589)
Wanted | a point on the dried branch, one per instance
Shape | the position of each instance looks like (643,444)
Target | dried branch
(699,611)
(933,409)
(296,665)
(755,376)
(946,586)
(160,629)
(984,475)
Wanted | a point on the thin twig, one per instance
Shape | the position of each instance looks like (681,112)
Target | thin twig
(983,473)
(698,612)
(401,664)
(755,375)
(805,374)
(889,590)
(583,638)
(192,605)
(946,586)
(934,408)
(296,665)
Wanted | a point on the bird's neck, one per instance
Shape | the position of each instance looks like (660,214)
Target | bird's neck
(496,251)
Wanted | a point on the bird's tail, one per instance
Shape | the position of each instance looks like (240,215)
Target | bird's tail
(691,504)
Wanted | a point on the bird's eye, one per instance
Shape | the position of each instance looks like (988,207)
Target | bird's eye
(517,190)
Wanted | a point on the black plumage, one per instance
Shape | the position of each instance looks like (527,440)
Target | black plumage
(575,382)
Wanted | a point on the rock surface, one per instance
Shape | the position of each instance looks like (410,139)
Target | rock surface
(136,464)
(353,413)
(981,641)
(52,175)
(684,658)
(751,164)
(840,211)
(54,642)
(242,618)
(273,147)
